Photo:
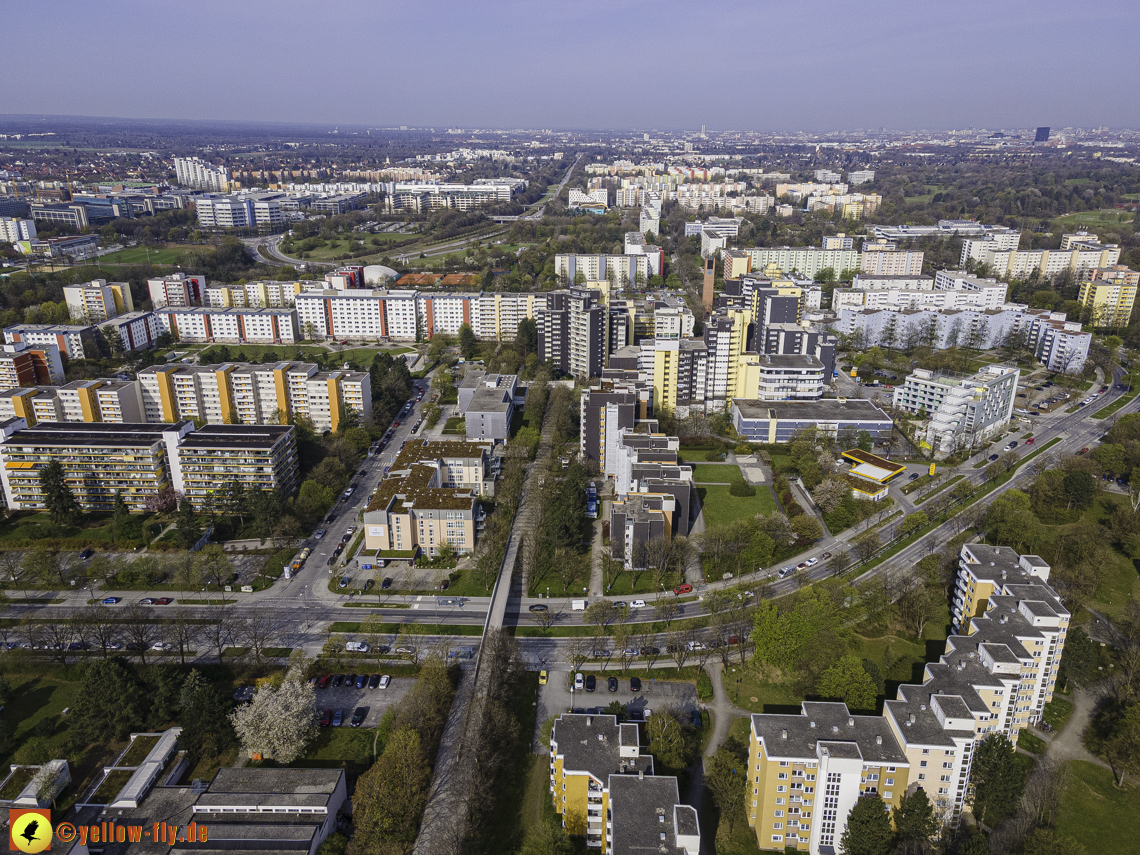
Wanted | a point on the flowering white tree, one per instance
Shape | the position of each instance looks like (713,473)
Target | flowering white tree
(280,721)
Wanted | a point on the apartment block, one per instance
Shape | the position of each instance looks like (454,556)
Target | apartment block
(109,401)
(949,290)
(238,326)
(995,675)
(269,394)
(866,282)
(573,331)
(1078,252)
(884,262)
(860,176)
(134,330)
(605,790)
(963,411)
(414,509)
(177,290)
(677,370)
(604,411)
(780,377)
(805,260)
(213,457)
(725,340)
(425,196)
(25,364)
(625,271)
(1108,295)
(807,771)
(198,174)
(13,230)
(496,316)
(69,339)
(487,402)
(98,300)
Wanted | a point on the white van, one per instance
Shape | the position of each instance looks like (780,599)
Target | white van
(357,647)
(578,605)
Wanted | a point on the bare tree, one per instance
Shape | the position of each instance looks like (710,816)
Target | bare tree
(219,631)
(140,629)
(546,617)
(53,636)
(260,630)
(13,564)
(666,610)
(182,631)
(677,643)
(579,651)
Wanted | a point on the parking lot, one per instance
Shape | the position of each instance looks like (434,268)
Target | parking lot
(377,700)
(555,697)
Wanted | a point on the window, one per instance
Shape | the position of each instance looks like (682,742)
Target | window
(779,825)
(945,777)
(925,750)
(781,789)
(888,782)
(783,776)
(921,776)
(781,801)
(777,838)
(784,762)
(778,813)
(921,762)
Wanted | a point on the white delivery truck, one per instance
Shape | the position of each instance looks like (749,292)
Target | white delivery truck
(578,605)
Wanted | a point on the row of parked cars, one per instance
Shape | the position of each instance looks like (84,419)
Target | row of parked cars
(590,683)
(350,681)
(335,718)
(803,565)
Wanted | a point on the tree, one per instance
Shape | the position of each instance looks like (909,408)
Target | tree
(1048,841)
(138,630)
(164,501)
(847,680)
(390,797)
(187,524)
(599,614)
(830,493)
(915,608)
(666,739)
(58,498)
(468,344)
(997,780)
(866,545)
(113,701)
(546,618)
(1080,489)
(120,513)
(807,528)
(726,776)
(914,818)
(666,610)
(868,830)
(279,722)
(204,717)
(1123,746)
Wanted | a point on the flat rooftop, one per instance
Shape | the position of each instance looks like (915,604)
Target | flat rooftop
(823,410)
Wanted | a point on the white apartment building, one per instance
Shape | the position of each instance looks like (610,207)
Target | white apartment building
(240,211)
(198,174)
(780,377)
(963,411)
(866,282)
(13,230)
(432,195)
(1078,252)
(839,241)
(827,176)
(496,316)
(178,289)
(886,262)
(860,176)
(624,270)
(241,326)
(949,293)
(805,260)
(599,195)
(67,338)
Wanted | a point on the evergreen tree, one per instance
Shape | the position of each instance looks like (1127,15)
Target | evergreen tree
(120,513)
(58,498)
(868,829)
(237,501)
(468,344)
(997,779)
(914,818)
(187,524)
(112,702)
(526,337)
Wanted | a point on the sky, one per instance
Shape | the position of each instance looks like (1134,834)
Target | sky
(765,65)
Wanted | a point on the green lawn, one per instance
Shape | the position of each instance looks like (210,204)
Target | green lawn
(1101,217)
(456,425)
(347,748)
(1031,742)
(1094,811)
(95,530)
(157,255)
(721,508)
(713,473)
(1057,713)
(748,689)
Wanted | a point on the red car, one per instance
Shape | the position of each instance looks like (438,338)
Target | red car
(163,601)
(396,423)
(1029,441)
(326,718)
(323,683)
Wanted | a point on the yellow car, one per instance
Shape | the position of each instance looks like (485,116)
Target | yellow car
(542,677)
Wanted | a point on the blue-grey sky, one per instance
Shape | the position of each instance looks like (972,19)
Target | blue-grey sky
(743,64)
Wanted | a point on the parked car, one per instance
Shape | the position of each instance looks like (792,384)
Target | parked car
(338,718)
(591,683)
(343,583)
(698,720)
(338,681)
(637,604)
(1029,441)
(811,562)
(579,681)
(913,475)
(542,676)
(786,571)
(635,684)
(326,718)
(323,683)
(163,601)
(110,601)
(374,681)
(385,681)
(650,651)
(386,584)
(362,681)
(992,458)
(358,716)
(320,532)
(147,601)
(612,684)
(825,556)
(85,554)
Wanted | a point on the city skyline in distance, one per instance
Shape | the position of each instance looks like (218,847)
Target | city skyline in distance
(625,65)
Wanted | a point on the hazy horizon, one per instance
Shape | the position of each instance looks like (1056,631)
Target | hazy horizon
(617,65)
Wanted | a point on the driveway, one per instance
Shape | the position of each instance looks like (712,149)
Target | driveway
(377,700)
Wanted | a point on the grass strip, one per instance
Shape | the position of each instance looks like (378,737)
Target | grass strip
(939,489)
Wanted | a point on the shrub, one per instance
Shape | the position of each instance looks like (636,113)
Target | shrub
(704,686)
(743,448)
(739,488)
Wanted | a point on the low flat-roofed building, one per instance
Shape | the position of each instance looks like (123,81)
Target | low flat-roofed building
(487,402)
(780,421)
